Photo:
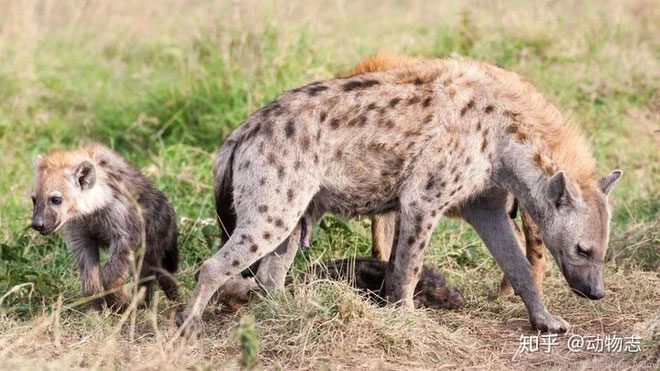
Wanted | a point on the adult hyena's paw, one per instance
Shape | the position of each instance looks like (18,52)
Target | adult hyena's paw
(549,323)
(191,327)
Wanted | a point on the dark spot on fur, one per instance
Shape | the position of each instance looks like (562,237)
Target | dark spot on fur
(103,163)
(371,106)
(430,183)
(313,90)
(235,263)
(254,248)
(426,102)
(467,107)
(418,81)
(304,142)
(334,123)
(468,160)
(413,100)
(290,129)
(262,181)
(324,114)
(267,236)
(394,102)
(279,223)
(359,84)
(428,118)
(434,213)
(411,240)
(339,154)
(359,121)
(457,177)
(479,125)
(272,159)
(489,109)
(280,172)
(422,245)
(227,273)
(273,109)
(262,208)
(289,194)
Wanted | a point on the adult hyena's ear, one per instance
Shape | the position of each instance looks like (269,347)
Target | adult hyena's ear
(85,175)
(608,182)
(557,192)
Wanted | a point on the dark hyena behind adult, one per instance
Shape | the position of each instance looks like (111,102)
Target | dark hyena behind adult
(419,140)
(100,201)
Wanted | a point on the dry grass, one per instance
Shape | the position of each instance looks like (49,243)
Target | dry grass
(325,324)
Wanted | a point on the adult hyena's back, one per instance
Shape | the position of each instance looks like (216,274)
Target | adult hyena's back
(359,144)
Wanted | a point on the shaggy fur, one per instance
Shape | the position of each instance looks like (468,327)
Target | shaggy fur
(100,201)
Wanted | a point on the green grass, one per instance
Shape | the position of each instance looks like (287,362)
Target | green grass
(165,94)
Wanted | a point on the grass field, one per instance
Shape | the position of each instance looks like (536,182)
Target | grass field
(162,82)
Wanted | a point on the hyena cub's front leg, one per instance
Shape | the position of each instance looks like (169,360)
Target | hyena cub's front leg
(113,277)
(87,258)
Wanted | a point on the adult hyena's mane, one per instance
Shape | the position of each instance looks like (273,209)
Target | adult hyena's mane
(557,141)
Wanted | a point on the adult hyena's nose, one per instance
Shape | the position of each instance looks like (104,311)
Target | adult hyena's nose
(596,293)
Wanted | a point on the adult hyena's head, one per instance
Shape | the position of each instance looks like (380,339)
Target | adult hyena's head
(576,231)
(65,188)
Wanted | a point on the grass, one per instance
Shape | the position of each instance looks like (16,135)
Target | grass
(164,84)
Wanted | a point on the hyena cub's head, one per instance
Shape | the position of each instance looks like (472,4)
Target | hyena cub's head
(576,231)
(66,187)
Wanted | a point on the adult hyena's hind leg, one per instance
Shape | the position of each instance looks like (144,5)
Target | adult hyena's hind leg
(264,221)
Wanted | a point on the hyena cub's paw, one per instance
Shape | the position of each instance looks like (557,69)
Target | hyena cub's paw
(547,322)
(191,327)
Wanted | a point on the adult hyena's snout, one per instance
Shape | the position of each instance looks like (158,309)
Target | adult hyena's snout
(586,281)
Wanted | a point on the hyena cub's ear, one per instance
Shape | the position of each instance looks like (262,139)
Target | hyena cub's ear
(85,175)
(557,192)
(37,160)
(608,182)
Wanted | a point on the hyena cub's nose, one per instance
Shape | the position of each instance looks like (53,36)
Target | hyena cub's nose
(38,224)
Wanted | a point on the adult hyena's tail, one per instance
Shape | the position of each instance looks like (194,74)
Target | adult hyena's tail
(223,179)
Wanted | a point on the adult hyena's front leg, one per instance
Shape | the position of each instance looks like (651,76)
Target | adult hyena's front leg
(415,226)
(488,216)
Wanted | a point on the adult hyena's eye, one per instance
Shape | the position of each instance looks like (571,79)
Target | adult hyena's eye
(582,251)
(55,200)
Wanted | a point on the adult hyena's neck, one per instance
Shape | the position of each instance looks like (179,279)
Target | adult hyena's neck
(517,172)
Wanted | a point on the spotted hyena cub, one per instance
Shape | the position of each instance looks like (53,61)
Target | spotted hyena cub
(99,200)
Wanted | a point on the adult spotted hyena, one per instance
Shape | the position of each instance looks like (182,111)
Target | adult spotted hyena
(100,201)
(420,140)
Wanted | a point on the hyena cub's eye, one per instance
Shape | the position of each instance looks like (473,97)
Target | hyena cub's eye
(55,200)
(582,251)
